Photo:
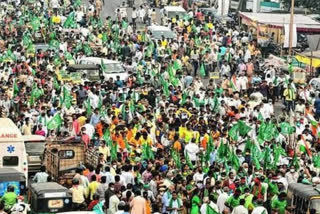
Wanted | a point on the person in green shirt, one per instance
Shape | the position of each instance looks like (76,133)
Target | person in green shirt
(248,197)
(9,198)
(279,204)
(233,200)
(195,202)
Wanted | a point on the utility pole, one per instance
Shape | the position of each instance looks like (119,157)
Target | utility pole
(291,27)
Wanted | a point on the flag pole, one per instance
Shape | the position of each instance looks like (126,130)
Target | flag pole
(291,27)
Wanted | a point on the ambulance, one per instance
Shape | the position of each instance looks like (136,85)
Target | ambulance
(13,152)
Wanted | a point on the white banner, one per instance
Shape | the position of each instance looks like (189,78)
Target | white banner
(287,37)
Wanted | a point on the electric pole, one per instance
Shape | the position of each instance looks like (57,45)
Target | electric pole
(291,27)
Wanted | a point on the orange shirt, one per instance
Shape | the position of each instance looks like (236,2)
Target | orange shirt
(204,141)
(99,129)
(129,134)
(177,146)
(135,142)
(120,141)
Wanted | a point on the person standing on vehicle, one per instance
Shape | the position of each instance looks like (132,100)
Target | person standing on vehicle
(42,176)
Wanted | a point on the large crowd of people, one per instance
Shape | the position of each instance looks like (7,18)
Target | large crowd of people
(173,140)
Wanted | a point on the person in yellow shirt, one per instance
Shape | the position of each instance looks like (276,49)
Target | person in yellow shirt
(93,186)
(103,149)
(82,119)
(290,96)
(115,110)
(164,42)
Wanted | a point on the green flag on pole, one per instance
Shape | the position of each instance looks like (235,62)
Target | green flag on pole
(15,88)
(67,98)
(202,70)
(55,122)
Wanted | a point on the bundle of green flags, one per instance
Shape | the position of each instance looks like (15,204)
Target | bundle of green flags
(239,129)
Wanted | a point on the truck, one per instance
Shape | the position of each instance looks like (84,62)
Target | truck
(13,151)
(62,157)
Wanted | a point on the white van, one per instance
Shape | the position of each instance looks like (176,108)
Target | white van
(113,68)
(35,145)
(13,152)
(173,11)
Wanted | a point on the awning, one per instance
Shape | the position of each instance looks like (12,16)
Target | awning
(308,58)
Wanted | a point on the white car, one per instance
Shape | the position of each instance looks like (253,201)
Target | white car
(112,68)
(157,31)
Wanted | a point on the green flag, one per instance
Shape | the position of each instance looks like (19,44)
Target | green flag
(70,21)
(54,44)
(87,50)
(209,149)
(286,128)
(88,107)
(124,24)
(15,88)
(202,70)
(114,151)
(56,85)
(316,160)
(35,23)
(234,132)
(176,65)
(260,117)
(55,122)
(234,161)
(210,210)
(176,157)
(184,98)
(67,98)
(147,153)
(243,128)
(188,161)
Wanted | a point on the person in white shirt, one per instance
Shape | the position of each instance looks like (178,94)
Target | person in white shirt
(222,199)
(192,149)
(109,176)
(114,202)
(240,209)
(259,209)
(198,177)
(142,13)
(134,16)
(128,177)
(208,204)
(292,176)
(175,204)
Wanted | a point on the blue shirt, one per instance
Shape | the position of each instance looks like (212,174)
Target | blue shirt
(94,120)
(317,104)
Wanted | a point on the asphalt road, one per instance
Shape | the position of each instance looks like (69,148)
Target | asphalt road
(109,9)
